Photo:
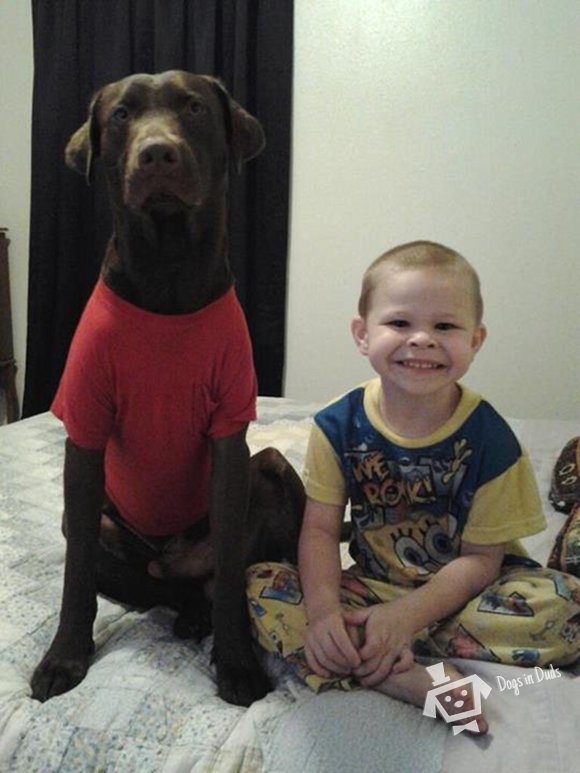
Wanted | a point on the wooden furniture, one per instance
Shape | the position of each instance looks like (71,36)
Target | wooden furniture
(9,405)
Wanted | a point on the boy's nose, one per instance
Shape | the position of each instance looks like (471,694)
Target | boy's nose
(421,338)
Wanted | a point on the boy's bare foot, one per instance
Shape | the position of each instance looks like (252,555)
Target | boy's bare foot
(413,685)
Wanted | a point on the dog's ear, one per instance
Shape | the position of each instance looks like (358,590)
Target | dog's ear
(248,139)
(245,134)
(85,144)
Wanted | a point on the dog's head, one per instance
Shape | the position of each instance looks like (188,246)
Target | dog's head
(165,140)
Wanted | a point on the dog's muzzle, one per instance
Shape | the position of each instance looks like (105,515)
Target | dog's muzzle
(161,174)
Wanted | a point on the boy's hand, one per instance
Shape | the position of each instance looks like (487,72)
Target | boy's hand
(387,643)
(328,645)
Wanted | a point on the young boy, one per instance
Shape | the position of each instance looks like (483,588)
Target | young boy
(440,492)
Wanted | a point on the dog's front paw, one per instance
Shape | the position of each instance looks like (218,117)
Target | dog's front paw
(242,685)
(53,676)
(61,669)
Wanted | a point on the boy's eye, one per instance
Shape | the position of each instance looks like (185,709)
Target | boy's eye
(397,323)
(445,326)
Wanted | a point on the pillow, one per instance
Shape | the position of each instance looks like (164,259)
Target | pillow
(565,489)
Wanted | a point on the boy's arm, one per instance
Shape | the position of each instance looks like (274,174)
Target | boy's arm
(391,627)
(327,643)
(454,585)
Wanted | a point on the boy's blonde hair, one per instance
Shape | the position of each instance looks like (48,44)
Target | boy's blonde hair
(421,254)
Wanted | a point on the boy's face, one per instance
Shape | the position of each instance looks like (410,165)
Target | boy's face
(420,332)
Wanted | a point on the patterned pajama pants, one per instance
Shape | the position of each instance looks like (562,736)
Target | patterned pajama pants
(527,617)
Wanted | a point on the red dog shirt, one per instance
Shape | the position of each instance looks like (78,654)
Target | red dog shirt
(152,390)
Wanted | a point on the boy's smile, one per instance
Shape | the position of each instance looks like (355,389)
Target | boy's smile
(419,365)
(421,332)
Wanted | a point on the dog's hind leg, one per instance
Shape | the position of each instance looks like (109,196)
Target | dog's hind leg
(130,584)
(276,509)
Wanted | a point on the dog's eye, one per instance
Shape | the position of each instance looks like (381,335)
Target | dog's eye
(120,114)
(195,107)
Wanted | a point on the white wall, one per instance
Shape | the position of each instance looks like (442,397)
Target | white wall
(453,120)
(15,121)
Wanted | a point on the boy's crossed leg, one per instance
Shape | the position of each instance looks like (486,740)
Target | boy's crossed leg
(279,620)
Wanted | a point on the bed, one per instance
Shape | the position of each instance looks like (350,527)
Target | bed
(149,700)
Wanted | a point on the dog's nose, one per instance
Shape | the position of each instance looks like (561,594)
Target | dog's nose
(159,156)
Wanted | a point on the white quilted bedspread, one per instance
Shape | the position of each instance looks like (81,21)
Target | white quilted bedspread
(149,701)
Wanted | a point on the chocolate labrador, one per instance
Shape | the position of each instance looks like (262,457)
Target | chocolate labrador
(162,503)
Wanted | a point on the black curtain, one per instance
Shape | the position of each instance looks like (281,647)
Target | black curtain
(80,45)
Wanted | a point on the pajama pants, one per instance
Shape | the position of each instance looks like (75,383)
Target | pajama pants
(527,617)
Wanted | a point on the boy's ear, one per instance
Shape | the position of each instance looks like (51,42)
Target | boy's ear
(479,337)
(358,329)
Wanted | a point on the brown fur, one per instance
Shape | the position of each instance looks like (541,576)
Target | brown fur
(167,143)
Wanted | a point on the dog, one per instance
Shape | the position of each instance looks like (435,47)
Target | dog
(152,516)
